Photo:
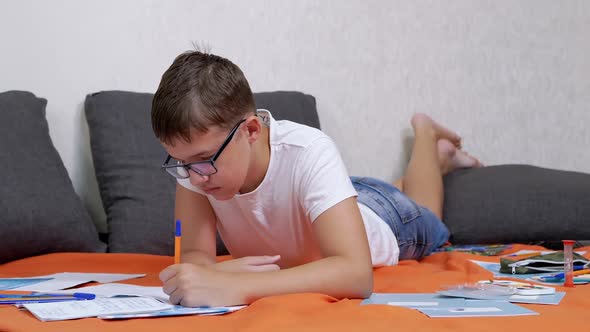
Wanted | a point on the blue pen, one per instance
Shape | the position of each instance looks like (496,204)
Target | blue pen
(85,296)
(43,298)
(36,295)
(561,275)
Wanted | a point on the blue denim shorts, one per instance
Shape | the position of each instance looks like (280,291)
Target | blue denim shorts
(418,231)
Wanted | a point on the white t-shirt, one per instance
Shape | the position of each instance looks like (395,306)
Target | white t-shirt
(305,177)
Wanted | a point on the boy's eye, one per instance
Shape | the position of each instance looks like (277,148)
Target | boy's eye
(195,160)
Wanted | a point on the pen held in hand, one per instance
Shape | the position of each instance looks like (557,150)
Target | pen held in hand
(177,241)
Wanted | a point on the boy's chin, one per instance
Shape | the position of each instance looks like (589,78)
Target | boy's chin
(222,196)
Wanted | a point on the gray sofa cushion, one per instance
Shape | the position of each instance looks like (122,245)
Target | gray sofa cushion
(290,105)
(516,204)
(137,195)
(39,211)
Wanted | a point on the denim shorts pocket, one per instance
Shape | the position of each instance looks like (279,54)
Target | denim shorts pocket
(405,207)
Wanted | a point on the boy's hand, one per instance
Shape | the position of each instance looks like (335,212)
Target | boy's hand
(249,264)
(194,285)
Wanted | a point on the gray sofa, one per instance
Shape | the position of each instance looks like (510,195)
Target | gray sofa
(40,213)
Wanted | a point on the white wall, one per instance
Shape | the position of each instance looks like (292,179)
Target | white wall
(513,77)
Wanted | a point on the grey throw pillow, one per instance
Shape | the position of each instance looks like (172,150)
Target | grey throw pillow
(516,204)
(39,211)
(290,105)
(137,195)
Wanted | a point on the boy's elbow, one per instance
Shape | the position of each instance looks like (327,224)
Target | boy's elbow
(366,283)
(363,283)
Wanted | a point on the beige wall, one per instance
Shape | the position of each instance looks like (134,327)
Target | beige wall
(513,77)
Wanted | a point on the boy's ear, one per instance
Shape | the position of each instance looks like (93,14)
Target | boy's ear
(254,128)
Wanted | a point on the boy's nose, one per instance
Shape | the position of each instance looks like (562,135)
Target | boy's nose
(197,179)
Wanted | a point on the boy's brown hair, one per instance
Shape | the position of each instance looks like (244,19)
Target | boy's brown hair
(198,91)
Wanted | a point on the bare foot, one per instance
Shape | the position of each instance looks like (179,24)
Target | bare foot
(451,158)
(421,121)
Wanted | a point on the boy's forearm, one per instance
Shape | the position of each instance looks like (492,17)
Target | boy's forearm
(196,257)
(334,276)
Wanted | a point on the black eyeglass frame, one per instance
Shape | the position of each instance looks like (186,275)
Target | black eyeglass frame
(211,161)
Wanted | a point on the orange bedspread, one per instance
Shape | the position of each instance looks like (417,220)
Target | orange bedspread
(303,312)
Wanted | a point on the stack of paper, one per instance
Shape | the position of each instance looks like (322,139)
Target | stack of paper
(121,301)
(92,308)
(113,301)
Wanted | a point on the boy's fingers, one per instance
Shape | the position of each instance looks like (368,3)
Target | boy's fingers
(275,258)
(169,286)
(168,273)
(175,297)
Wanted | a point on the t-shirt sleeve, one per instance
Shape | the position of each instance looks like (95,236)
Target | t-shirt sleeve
(324,180)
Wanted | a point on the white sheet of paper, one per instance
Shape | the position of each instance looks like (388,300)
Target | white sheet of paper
(92,308)
(113,289)
(70,279)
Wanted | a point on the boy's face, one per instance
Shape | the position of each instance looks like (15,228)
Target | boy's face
(232,163)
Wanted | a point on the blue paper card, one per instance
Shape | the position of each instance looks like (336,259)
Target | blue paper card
(414,301)
(11,283)
(479,308)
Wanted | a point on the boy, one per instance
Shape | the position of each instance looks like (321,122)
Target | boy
(280,197)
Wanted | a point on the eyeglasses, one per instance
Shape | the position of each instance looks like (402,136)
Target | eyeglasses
(203,168)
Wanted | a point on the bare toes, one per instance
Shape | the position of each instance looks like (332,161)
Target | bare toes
(420,120)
